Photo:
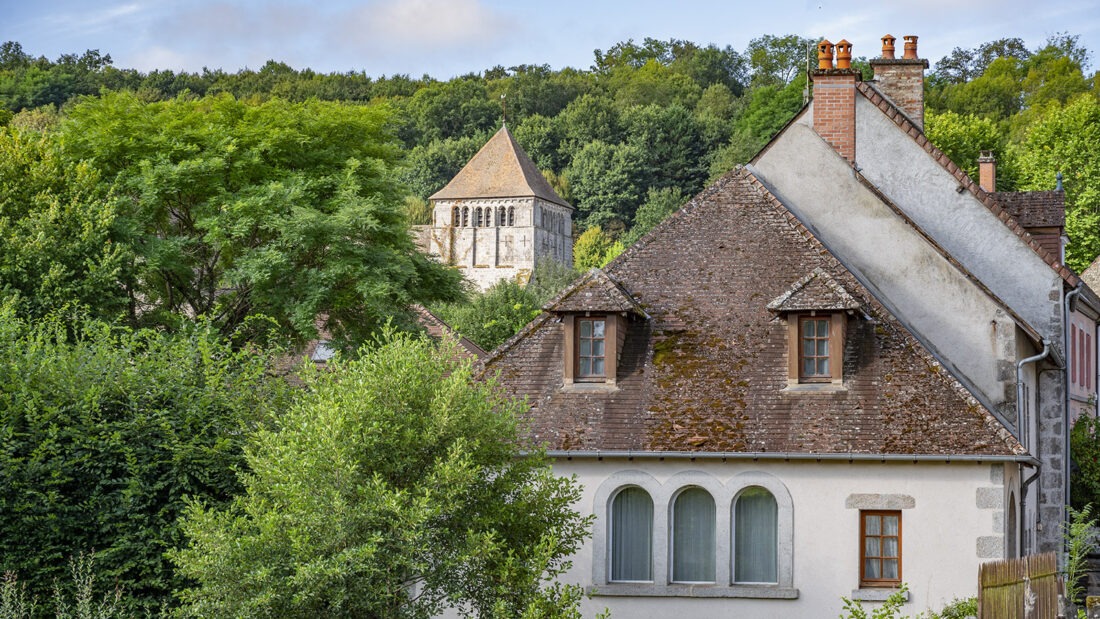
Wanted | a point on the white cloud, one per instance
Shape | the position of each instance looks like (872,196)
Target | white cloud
(431,24)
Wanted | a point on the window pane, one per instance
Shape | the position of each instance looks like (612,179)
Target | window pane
(808,328)
(693,537)
(890,568)
(631,535)
(586,366)
(597,348)
(807,348)
(872,525)
(808,367)
(823,367)
(889,525)
(586,328)
(889,546)
(597,328)
(755,537)
(822,348)
(871,547)
(871,569)
(586,348)
(597,366)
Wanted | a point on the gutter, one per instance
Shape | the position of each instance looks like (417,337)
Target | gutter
(1027,459)
(1021,426)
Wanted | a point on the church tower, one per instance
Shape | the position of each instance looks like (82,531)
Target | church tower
(498,217)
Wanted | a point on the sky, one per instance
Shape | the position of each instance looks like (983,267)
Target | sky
(445,38)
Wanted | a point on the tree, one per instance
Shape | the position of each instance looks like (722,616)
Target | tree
(962,138)
(59,233)
(392,488)
(672,145)
(1067,140)
(594,249)
(105,432)
(430,166)
(235,208)
(777,61)
(492,317)
(606,182)
(659,204)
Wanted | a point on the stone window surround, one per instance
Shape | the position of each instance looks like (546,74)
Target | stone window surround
(663,495)
(877,502)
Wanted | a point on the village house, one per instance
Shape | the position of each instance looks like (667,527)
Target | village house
(842,367)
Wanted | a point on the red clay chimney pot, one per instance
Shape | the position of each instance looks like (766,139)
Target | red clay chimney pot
(888,46)
(910,47)
(844,54)
(825,55)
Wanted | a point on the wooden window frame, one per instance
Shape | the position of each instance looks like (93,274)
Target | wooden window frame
(878,582)
(614,332)
(802,356)
(591,378)
(838,326)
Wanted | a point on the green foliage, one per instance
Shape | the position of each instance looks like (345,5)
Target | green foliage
(233,204)
(1079,534)
(105,432)
(418,211)
(1067,140)
(393,471)
(548,279)
(59,232)
(779,60)
(890,609)
(659,204)
(76,601)
(606,182)
(1084,443)
(674,155)
(429,167)
(956,609)
(593,249)
(962,138)
(492,317)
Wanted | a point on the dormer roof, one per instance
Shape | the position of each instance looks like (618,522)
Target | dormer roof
(595,292)
(501,169)
(816,291)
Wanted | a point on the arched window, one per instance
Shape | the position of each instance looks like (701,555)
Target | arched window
(454,216)
(465,216)
(511,216)
(477,217)
(693,536)
(632,536)
(755,537)
(501,216)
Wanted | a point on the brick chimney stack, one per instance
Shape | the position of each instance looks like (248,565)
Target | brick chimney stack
(987,171)
(834,106)
(902,79)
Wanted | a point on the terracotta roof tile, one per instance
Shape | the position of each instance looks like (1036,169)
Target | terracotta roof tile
(594,292)
(816,291)
(1034,209)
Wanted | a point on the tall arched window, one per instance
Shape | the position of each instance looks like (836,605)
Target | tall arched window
(632,536)
(501,215)
(755,537)
(511,216)
(477,217)
(465,216)
(455,216)
(693,536)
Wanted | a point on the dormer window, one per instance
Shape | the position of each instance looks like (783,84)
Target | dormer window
(591,349)
(816,310)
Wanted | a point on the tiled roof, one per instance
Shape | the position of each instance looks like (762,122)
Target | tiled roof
(1091,275)
(816,291)
(1034,209)
(437,329)
(901,120)
(595,292)
(707,372)
(501,169)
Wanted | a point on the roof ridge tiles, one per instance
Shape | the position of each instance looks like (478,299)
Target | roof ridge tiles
(884,104)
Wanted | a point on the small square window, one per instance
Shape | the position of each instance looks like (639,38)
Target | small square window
(591,349)
(880,548)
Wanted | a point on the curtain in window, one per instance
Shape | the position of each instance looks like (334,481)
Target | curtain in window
(755,537)
(693,537)
(632,535)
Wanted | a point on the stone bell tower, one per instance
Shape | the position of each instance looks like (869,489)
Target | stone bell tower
(498,217)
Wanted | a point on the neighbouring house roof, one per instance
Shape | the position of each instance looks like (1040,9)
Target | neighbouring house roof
(965,182)
(1034,209)
(708,370)
(501,169)
(1091,275)
(437,329)
(816,291)
(594,292)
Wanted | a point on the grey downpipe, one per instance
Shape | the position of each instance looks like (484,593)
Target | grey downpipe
(1070,297)
(1025,547)
(1021,426)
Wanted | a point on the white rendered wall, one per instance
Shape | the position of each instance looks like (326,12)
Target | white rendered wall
(957,521)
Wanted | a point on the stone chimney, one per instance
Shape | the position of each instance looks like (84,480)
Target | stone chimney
(902,79)
(835,97)
(987,171)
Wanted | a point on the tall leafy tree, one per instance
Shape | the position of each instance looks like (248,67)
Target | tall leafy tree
(105,433)
(287,210)
(391,489)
